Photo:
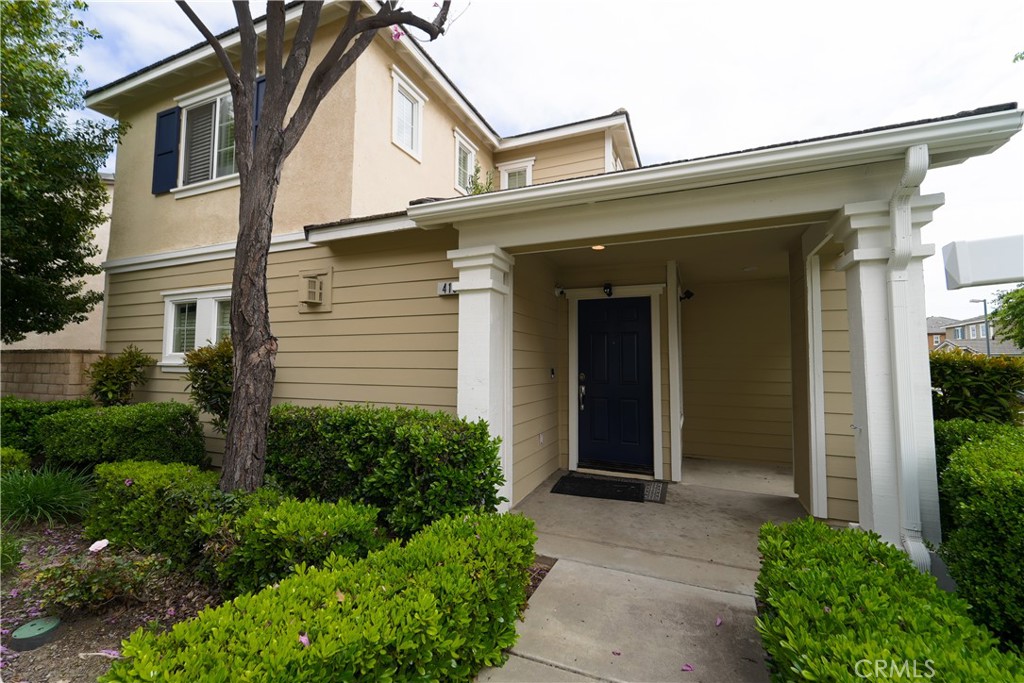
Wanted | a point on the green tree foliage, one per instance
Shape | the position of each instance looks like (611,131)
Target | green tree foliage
(210,376)
(52,193)
(1009,315)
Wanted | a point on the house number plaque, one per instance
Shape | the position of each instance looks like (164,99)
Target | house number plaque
(446,288)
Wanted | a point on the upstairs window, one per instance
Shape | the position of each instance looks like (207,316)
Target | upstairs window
(983,331)
(516,174)
(974,332)
(465,163)
(209,141)
(936,339)
(407,114)
(958,333)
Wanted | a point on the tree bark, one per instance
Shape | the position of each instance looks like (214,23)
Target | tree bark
(259,159)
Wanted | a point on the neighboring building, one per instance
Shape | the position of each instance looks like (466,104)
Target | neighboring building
(937,330)
(51,366)
(976,334)
(511,306)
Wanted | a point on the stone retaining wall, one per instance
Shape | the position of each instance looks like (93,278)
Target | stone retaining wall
(45,375)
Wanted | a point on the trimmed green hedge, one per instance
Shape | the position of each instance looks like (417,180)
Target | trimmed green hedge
(972,387)
(952,434)
(441,608)
(984,550)
(12,459)
(416,466)
(18,417)
(263,544)
(148,505)
(834,603)
(164,432)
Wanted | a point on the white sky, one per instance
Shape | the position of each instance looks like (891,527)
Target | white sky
(705,78)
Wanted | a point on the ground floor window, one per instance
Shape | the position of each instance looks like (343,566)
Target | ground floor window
(194,317)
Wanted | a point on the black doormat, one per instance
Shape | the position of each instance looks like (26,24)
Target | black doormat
(611,488)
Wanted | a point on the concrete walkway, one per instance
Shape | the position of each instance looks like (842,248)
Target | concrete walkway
(639,588)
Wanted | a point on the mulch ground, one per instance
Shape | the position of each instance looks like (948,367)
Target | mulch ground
(86,644)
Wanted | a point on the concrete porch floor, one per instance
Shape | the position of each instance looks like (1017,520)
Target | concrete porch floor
(648,581)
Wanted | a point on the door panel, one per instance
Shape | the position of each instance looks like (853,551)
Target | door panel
(615,407)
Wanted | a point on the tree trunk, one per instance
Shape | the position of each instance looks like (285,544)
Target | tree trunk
(255,348)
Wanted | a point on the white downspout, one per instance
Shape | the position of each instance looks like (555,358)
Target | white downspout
(901,227)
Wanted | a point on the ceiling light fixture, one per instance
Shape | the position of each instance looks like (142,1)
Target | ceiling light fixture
(598,247)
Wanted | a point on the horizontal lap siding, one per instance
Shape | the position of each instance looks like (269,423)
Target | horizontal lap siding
(388,339)
(840,456)
(574,157)
(536,344)
(737,382)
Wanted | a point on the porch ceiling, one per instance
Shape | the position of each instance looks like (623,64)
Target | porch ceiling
(738,255)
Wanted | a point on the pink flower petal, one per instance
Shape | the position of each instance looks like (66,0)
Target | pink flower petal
(718,622)
(304,639)
(687,667)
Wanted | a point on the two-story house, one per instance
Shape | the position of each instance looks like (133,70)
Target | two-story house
(978,335)
(592,310)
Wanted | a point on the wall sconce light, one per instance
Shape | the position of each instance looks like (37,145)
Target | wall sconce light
(607,289)
(686,295)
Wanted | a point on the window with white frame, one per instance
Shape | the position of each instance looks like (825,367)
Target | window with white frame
(936,339)
(208,141)
(192,318)
(958,333)
(407,114)
(516,174)
(465,162)
(973,331)
(983,331)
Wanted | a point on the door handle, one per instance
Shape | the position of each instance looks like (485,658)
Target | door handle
(583,390)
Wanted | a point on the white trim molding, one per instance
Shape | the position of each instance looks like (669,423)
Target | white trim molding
(675,369)
(654,292)
(213,252)
(372,226)
(461,141)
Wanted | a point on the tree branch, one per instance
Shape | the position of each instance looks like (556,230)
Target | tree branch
(218,49)
(275,41)
(298,57)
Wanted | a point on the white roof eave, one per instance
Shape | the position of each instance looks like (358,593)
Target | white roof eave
(949,141)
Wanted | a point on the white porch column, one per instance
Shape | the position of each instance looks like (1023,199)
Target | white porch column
(485,345)
(896,482)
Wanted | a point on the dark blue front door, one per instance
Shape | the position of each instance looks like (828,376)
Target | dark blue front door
(614,402)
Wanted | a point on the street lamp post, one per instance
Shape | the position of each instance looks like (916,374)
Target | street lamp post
(988,330)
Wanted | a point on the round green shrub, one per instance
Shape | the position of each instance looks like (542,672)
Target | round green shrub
(13,459)
(984,484)
(18,417)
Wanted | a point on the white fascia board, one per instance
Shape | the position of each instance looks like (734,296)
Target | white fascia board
(560,132)
(377,226)
(955,140)
(213,252)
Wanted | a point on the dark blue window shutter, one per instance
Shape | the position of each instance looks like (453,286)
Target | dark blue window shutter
(165,156)
(261,88)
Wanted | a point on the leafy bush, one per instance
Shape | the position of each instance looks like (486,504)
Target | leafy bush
(94,579)
(441,608)
(50,494)
(833,602)
(260,546)
(210,375)
(950,435)
(982,388)
(165,432)
(416,466)
(147,506)
(113,378)
(13,459)
(985,484)
(10,554)
(18,417)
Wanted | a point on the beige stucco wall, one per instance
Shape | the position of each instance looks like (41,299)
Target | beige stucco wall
(315,182)
(388,338)
(386,178)
(574,157)
(840,455)
(737,379)
(538,349)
